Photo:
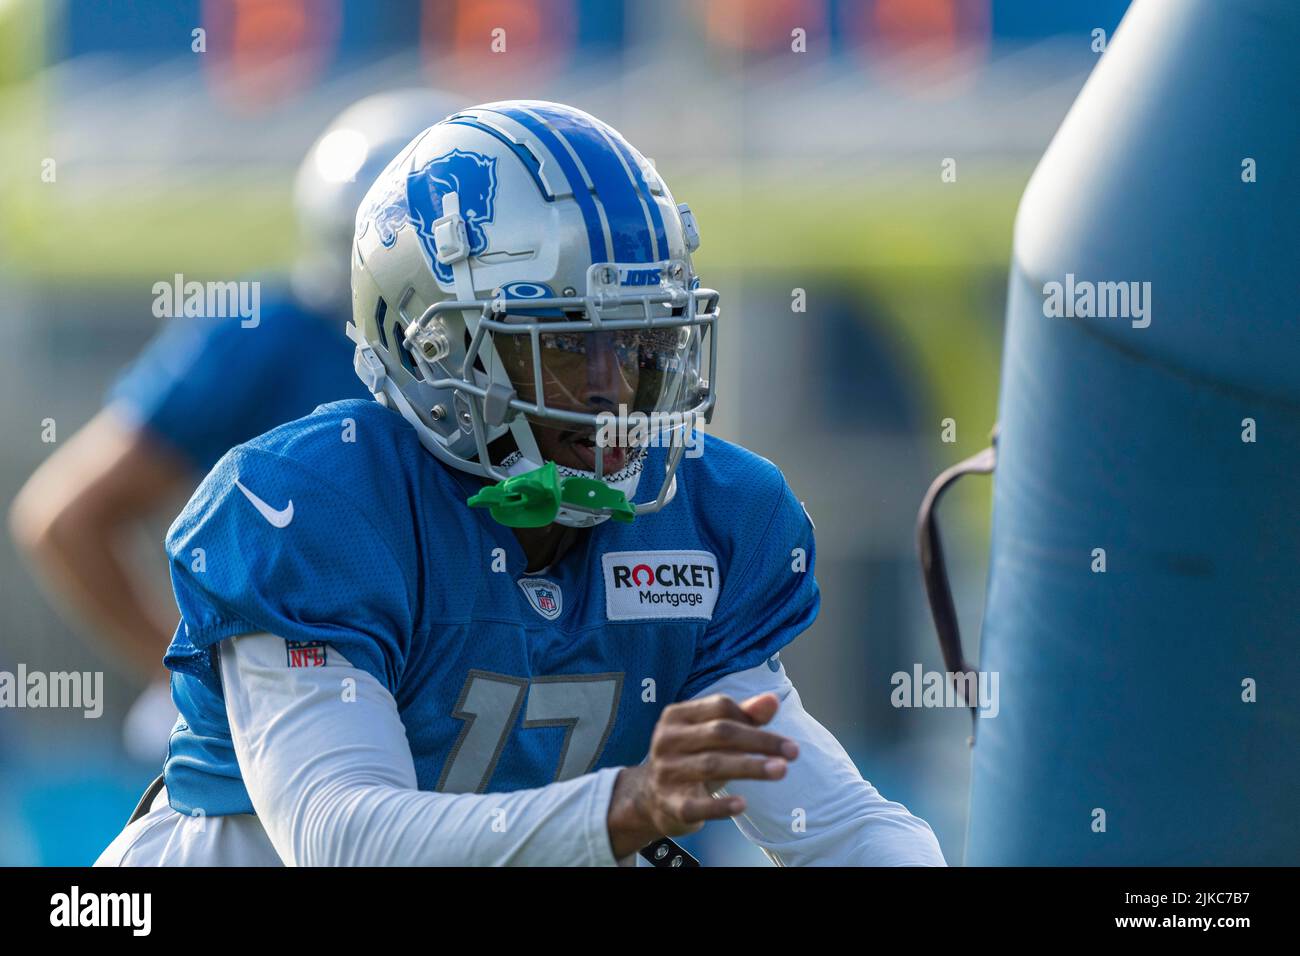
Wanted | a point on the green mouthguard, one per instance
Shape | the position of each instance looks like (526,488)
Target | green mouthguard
(533,499)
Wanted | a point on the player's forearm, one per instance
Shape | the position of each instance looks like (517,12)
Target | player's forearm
(70,519)
(858,828)
(333,781)
(80,562)
(351,823)
(822,812)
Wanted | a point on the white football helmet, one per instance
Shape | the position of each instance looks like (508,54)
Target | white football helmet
(334,176)
(522,279)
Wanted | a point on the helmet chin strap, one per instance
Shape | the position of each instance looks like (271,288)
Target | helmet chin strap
(451,238)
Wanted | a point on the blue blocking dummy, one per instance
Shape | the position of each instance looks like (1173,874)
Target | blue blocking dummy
(1150,424)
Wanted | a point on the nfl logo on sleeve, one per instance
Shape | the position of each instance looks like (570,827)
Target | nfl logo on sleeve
(642,585)
(545,596)
(305,653)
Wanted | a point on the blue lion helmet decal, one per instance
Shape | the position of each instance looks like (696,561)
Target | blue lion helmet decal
(473,177)
(387,209)
(388,212)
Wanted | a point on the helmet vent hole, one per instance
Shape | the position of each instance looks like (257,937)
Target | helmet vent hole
(381,313)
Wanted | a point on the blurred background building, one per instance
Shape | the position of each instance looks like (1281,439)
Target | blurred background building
(863,290)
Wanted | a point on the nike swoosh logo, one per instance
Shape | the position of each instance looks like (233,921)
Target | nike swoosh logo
(277,519)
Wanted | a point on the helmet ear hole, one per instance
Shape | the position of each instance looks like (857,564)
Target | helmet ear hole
(404,354)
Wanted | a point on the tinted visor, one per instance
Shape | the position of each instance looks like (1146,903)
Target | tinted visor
(630,370)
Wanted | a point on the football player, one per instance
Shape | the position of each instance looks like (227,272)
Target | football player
(493,617)
(202,386)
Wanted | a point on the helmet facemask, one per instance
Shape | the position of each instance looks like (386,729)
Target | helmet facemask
(584,383)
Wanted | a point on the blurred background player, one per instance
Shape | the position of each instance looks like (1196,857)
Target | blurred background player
(203,385)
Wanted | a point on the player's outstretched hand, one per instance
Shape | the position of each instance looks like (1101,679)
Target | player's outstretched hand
(698,745)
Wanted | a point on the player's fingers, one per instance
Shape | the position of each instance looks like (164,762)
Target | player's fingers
(761,708)
(723,735)
(692,811)
(716,767)
(700,709)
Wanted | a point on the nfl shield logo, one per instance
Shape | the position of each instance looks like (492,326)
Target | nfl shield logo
(544,596)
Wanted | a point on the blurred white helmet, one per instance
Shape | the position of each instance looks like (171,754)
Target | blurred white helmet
(334,177)
(522,275)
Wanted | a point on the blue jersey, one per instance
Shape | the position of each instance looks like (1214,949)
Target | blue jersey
(204,385)
(341,531)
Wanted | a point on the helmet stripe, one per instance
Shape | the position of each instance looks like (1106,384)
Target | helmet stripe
(647,198)
(612,176)
(525,155)
(596,232)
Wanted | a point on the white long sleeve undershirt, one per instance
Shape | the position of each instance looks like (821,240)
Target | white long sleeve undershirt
(325,758)
(327,765)
(822,812)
